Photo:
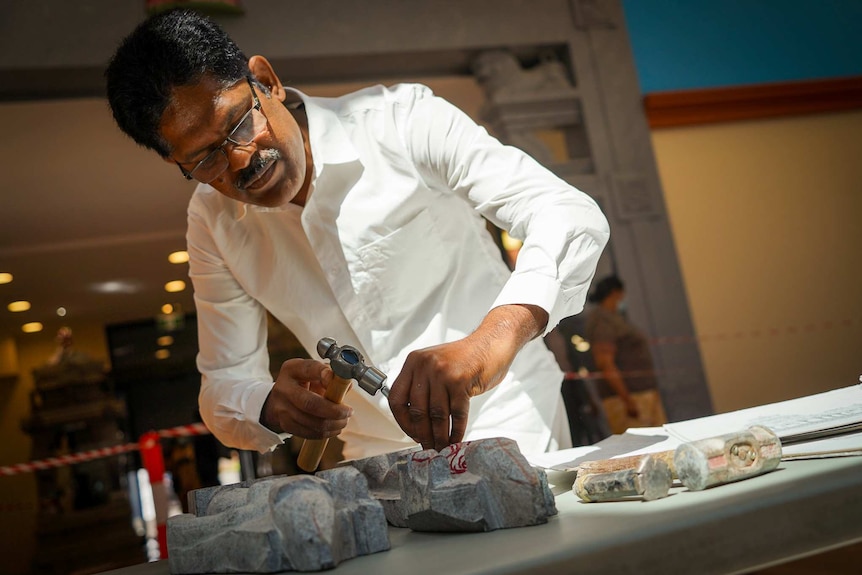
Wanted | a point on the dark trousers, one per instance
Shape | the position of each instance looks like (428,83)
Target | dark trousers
(587,421)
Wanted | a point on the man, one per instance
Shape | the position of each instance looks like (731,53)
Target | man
(357,218)
(586,415)
(621,354)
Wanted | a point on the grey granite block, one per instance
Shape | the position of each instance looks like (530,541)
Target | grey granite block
(298,523)
(477,485)
(310,523)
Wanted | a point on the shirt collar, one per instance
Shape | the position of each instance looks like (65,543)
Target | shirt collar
(330,143)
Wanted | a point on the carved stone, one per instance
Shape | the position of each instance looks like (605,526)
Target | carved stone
(525,105)
(501,75)
(478,485)
(310,523)
(297,523)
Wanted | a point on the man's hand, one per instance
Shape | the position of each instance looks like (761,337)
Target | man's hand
(296,404)
(604,355)
(631,407)
(430,398)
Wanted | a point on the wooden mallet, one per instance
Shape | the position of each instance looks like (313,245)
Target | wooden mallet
(347,364)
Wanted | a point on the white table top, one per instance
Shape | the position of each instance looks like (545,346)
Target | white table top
(801,508)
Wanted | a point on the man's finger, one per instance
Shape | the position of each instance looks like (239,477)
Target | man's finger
(300,369)
(315,387)
(459,409)
(310,427)
(438,415)
(399,403)
(418,412)
(308,402)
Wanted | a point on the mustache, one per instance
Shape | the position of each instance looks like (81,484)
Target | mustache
(259,162)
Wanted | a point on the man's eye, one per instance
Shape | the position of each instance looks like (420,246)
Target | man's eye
(210,159)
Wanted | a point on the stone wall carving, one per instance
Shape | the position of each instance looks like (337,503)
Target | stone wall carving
(536,109)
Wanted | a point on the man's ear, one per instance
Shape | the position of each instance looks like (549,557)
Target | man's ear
(262,70)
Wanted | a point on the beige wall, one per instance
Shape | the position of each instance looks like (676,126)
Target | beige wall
(767,220)
(18,498)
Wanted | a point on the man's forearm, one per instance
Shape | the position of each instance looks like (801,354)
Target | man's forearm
(615,381)
(515,324)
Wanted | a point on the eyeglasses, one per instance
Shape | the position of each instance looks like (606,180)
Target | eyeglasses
(216,162)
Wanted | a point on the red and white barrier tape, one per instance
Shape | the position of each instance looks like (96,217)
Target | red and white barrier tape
(597,375)
(806,329)
(73,458)
(200,429)
(185,430)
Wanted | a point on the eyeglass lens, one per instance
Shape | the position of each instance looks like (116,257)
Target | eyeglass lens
(251,125)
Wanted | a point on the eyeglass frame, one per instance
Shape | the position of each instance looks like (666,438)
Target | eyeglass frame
(228,140)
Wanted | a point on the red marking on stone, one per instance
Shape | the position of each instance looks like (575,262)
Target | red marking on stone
(457,463)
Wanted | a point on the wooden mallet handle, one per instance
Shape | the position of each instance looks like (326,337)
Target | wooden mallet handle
(312,449)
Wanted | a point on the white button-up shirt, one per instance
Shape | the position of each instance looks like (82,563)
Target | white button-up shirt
(390,254)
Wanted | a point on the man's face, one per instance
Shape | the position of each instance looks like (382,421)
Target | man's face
(270,171)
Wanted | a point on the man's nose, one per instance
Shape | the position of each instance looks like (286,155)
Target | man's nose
(239,155)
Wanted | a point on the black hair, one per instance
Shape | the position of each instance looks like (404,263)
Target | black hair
(174,48)
(606,287)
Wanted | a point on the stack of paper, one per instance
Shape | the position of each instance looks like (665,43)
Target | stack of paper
(824,425)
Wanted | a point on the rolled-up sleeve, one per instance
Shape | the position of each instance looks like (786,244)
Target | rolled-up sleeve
(232,358)
(562,229)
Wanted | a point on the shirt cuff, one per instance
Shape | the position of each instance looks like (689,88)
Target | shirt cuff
(531,289)
(263,438)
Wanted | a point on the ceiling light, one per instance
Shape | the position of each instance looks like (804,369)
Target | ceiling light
(163,354)
(179,257)
(61,311)
(175,286)
(18,306)
(167,309)
(5,278)
(116,287)
(32,327)
(580,343)
(165,341)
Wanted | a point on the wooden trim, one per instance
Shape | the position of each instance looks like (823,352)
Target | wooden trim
(708,106)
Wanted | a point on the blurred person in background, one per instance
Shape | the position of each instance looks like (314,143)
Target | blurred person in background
(621,354)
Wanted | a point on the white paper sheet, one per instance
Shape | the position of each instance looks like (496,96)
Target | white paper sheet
(801,424)
(638,441)
(800,419)
(840,446)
